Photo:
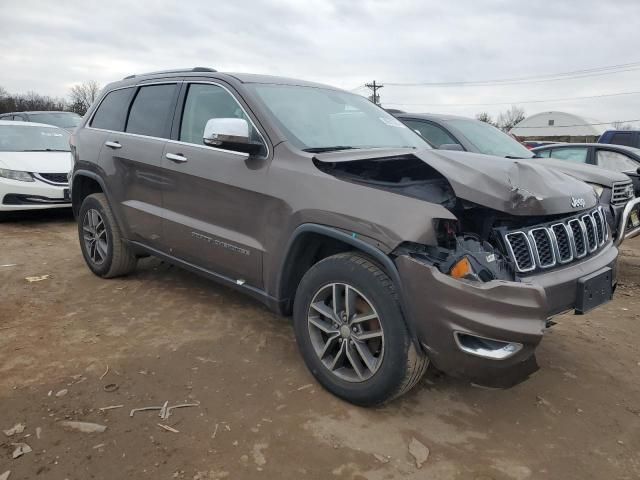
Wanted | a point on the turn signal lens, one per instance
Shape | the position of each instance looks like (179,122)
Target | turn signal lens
(461,269)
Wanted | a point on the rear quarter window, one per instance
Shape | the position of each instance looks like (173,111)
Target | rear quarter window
(112,111)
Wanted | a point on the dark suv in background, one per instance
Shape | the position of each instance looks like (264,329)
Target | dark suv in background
(628,138)
(321,205)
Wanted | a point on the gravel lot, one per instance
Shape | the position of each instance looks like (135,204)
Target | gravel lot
(168,335)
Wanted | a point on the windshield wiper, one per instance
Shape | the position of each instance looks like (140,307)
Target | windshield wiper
(335,148)
(517,158)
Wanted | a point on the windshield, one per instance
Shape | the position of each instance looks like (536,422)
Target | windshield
(319,119)
(59,119)
(489,140)
(23,138)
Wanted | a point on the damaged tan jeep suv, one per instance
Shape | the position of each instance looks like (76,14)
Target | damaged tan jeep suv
(388,254)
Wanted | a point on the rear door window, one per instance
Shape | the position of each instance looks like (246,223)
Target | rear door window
(112,111)
(616,161)
(622,138)
(575,155)
(433,134)
(152,111)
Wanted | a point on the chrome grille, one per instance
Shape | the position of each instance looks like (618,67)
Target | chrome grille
(563,241)
(579,239)
(545,246)
(621,193)
(56,178)
(520,250)
(590,229)
(598,218)
(542,246)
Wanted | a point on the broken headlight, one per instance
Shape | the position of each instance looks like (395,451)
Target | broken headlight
(596,188)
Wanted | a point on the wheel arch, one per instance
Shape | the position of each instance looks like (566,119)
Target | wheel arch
(302,253)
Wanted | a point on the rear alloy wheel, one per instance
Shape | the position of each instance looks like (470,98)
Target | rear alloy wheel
(96,242)
(106,253)
(351,331)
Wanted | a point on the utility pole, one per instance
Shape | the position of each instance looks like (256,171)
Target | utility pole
(374,97)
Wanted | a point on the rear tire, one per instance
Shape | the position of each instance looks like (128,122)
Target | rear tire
(104,250)
(366,362)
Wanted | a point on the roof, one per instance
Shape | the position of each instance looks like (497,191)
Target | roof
(210,73)
(40,111)
(27,124)
(558,124)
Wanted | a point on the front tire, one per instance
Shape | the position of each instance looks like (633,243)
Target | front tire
(104,250)
(351,332)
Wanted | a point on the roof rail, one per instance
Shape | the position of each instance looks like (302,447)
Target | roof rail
(180,70)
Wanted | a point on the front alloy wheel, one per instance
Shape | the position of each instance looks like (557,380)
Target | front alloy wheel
(351,331)
(346,333)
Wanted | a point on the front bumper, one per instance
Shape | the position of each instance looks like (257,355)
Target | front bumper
(442,308)
(36,195)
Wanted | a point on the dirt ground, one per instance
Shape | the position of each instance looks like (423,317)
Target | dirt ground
(168,335)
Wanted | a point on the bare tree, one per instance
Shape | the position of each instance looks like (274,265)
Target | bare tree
(485,117)
(83,95)
(510,118)
(620,125)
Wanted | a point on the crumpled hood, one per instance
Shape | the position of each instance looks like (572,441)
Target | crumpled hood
(517,187)
(583,171)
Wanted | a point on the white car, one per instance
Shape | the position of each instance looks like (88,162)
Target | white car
(34,162)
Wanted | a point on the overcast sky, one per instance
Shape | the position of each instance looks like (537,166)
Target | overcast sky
(48,46)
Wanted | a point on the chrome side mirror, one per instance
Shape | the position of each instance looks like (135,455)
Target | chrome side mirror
(219,132)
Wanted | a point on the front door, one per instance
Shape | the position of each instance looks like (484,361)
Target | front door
(214,206)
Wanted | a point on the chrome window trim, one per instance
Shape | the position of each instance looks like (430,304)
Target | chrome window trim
(567,231)
(534,244)
(169,140)
(513,255)
(584,237)
(595,233)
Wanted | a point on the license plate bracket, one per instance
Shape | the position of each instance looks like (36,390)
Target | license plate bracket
(594,290)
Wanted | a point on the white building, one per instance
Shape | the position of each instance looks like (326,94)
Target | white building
(559,126)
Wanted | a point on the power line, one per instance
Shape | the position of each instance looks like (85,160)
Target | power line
(549,100)
(584,73)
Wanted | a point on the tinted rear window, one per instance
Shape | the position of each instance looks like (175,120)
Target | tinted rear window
(622,138)
(151,111)
(112,111)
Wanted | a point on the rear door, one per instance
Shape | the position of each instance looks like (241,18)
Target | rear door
(214,211)
(132,159)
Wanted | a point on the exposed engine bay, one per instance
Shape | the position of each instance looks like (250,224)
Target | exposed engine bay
(471,247)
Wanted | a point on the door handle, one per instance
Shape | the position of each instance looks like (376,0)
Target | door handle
(113,145)
(178,158)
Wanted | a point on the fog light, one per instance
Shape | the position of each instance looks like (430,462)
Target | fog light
(486,347)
